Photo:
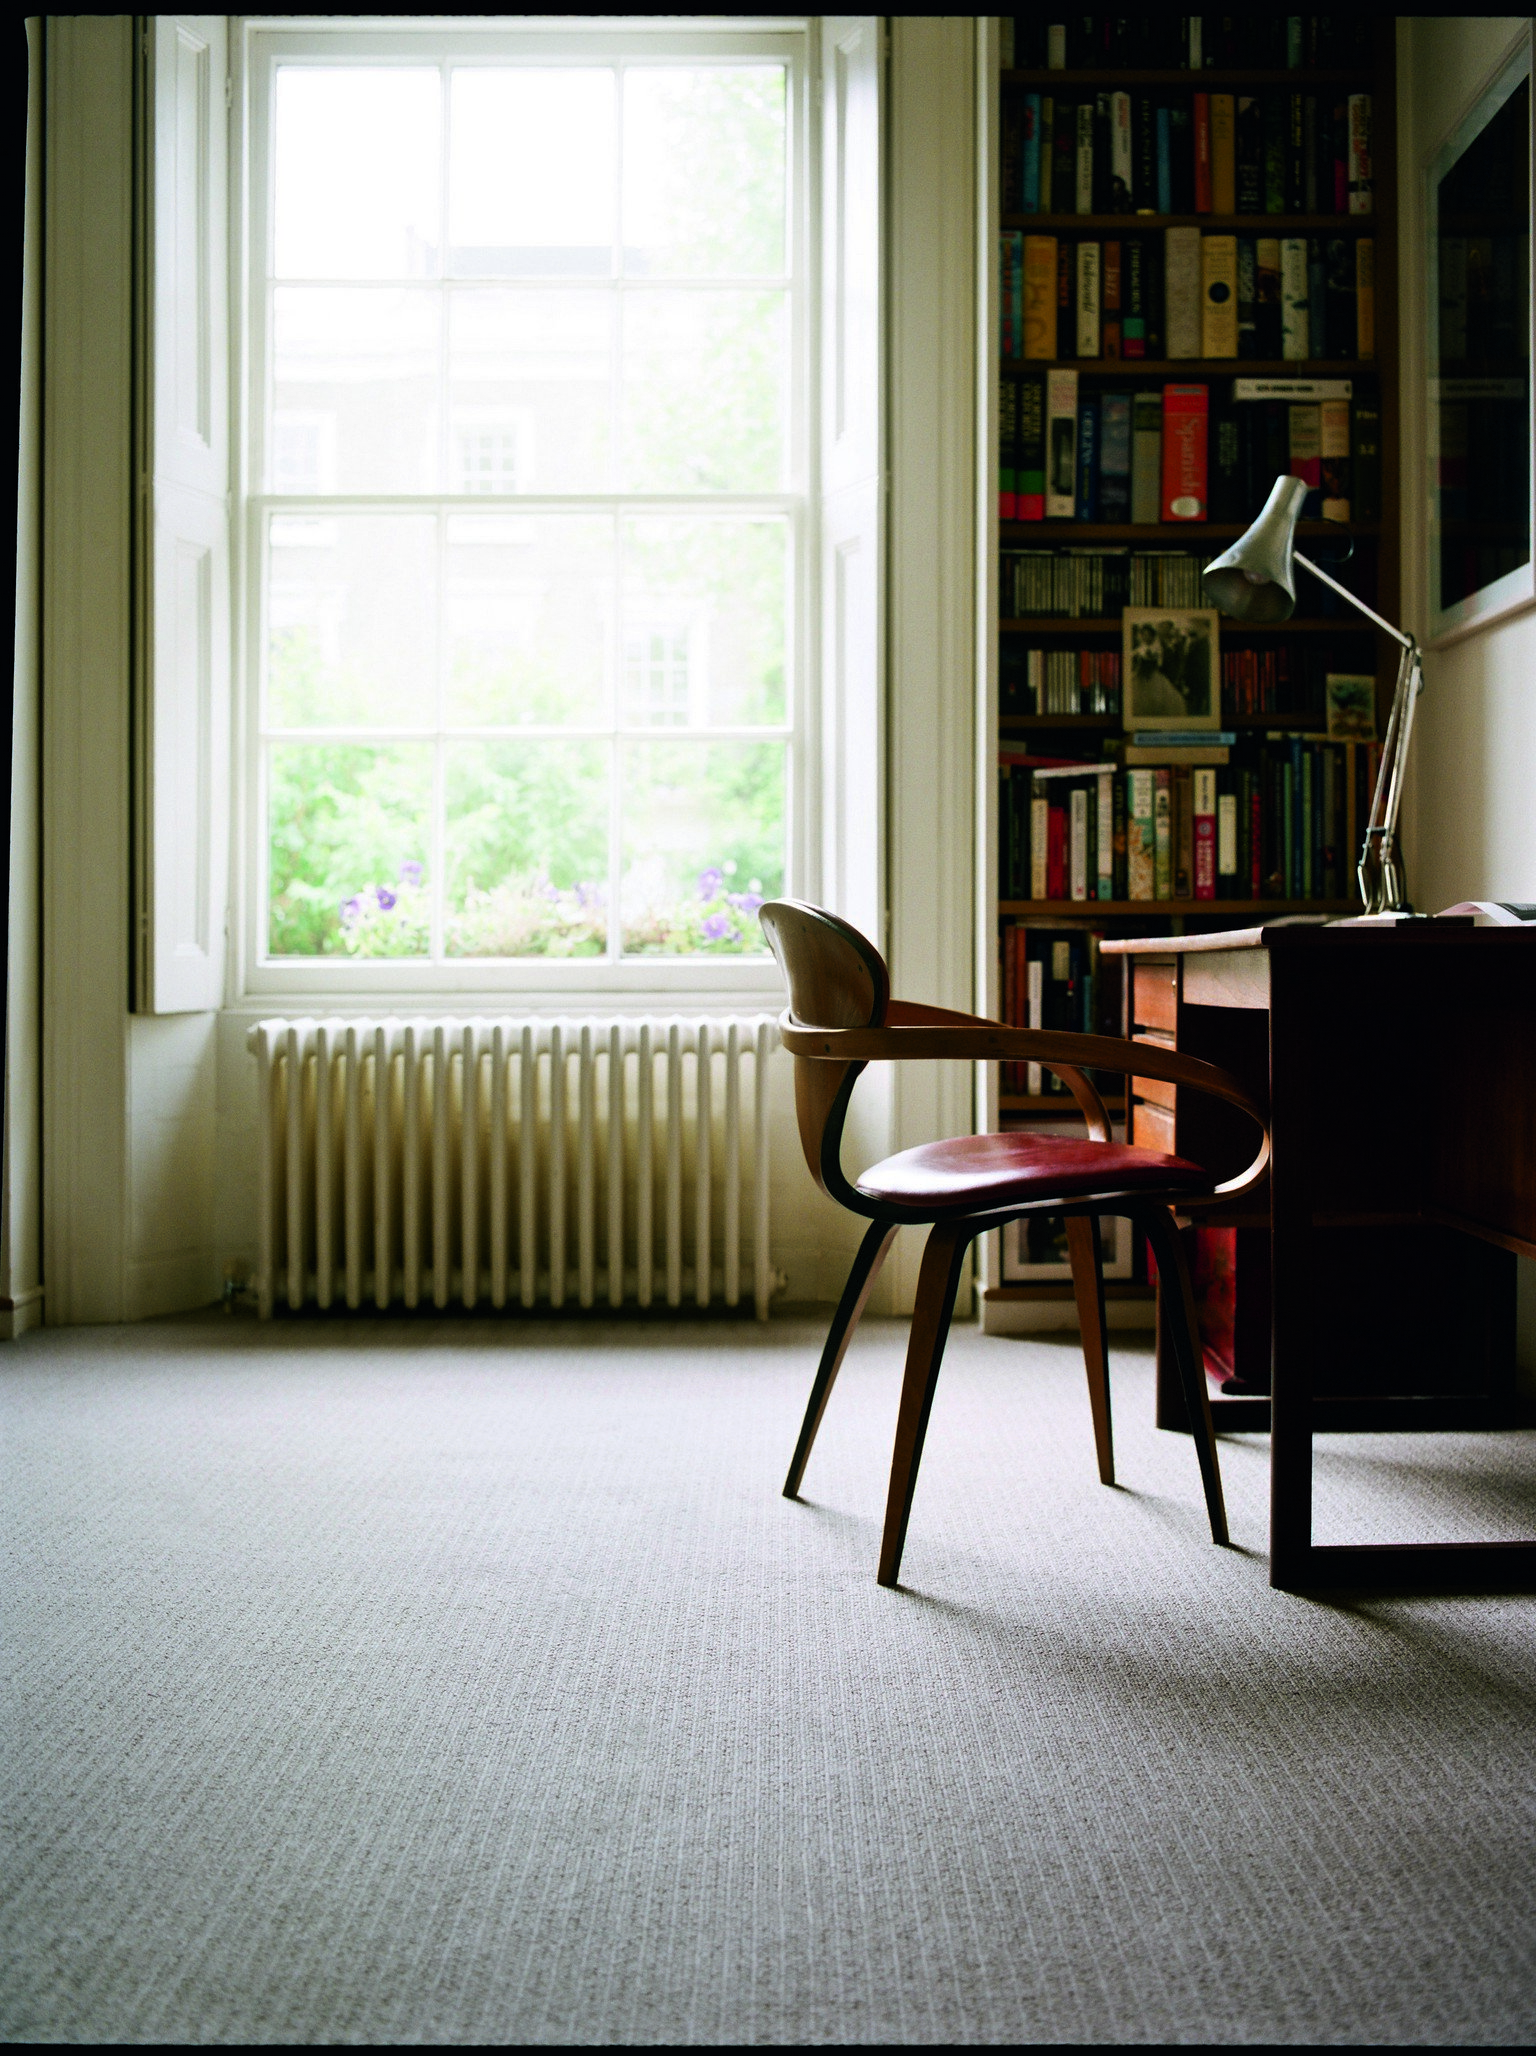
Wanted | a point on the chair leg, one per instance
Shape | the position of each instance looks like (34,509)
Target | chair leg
(1088,1286)
(1184,1331)
(936,1286)
(861,1281)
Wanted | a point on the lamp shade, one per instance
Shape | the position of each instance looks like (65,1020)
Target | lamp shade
(1256,579)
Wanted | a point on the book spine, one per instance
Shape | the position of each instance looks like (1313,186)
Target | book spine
(1218,299)
(1133,293)
(1306,452)
(1006,337)
(1317,301)
(1248,153)
(1087,460)
(1029,154)
(1115,457)
(1104,808)
(1183,834)
(1034,979)
(1089,296)
(1121,153)
(1295,153)
(1066,300)
(1181,291)
(1144,142)
(1247,297)
(1360,189)
(1007,440)
(1164,160)
(1057,852)
(1201,126)
(1223,153)
(1077,801)
(1274,152)
(1146,458)
(1365,298)
(1119,883)
(1293,298)
(1140,836)
(1029,465)
(1061,445)
(1040,297)
(1084,160)
(1111,334)
(1162,835)
(1056,46)
(1333,450)
(1205,853)
(1226,841)
(1366,462)
(1267,296)
(1039,845)
(1185,412)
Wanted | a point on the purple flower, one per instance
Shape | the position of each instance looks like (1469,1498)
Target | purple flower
(717,927)
(410,872)
(745,902)
(352,908)
(385,898)
(710,882)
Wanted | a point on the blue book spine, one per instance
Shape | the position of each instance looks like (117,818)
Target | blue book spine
(1088,460)
(1031,153)
(1164,162)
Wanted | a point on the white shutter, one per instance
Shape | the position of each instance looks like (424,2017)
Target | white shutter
(184,668)
(852,477)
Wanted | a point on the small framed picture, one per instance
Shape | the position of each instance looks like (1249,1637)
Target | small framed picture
(1172,668)
(1351,707)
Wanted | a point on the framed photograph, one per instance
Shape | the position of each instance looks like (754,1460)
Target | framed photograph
(1035,1248)
(1351,707)
(1172,668)
(1478,273)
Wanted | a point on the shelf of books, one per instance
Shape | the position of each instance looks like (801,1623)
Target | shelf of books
(1194,292)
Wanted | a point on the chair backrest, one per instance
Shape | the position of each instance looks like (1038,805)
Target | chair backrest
(836,979)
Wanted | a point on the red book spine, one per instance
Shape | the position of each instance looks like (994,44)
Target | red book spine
(1185,416)
(1109,335)
(1056,855)
(1202,153)
(1204,783)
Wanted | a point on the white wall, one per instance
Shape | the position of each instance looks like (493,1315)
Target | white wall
(21,1274)
(1470,806)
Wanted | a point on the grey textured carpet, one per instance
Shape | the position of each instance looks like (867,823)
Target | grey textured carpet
(463,1683)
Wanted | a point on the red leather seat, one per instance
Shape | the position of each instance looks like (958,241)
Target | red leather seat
(976,1171)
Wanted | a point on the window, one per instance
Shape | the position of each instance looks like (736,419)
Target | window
(527,551)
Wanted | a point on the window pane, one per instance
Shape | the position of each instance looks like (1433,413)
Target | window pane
(348,840)
(703,845)
(531,377)
(354,393)
(705,606)
(530,179)
(527,849)
(357,173)
(529,601)
(352,621)
(704,391)
(704,171)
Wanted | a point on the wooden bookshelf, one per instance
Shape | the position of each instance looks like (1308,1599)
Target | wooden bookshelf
(1071,735)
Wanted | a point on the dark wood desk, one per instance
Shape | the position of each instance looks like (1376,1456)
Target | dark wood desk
(1401,1075)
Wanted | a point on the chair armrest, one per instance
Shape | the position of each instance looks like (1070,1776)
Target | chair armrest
(903,1013)
(1057,1050)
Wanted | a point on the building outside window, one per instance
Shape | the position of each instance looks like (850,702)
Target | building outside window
(526,550)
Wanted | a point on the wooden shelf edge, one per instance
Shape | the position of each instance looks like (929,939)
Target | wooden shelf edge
(1198,367)
(1164,531)
(1100,624)
(1236,912)
(1125,78)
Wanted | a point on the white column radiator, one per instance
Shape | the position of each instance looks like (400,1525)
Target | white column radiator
(513,1162)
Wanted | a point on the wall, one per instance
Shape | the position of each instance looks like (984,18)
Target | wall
(21,1275)
(1469,810)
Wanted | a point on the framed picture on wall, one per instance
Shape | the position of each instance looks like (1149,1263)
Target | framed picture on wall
(1478,271)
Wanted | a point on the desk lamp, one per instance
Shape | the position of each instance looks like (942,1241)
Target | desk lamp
(1256,581)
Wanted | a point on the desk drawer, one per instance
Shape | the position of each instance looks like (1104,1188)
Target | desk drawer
(1152,1127)
(1155,1089)
(1155,996)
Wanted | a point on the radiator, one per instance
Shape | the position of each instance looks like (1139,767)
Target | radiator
(513,1162)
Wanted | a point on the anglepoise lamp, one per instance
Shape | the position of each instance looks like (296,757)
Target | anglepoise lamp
(1256,581)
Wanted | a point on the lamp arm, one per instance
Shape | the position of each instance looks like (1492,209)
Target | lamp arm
(1354,600)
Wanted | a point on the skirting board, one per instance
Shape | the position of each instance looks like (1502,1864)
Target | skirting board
(1052,1316)
(21,1313)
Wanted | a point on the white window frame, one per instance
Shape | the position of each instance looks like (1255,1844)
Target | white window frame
(260,44)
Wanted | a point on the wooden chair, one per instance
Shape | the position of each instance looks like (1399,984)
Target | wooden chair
(841,1017)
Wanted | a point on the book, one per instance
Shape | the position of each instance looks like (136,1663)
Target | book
(1181,291)
(1029,461)
(1317,301)
(1133,320)
(1333,452)
(1226,841)
(1164,160)
(1292,388)
(1089,289)
(1365,297)
(1275,125)
(1029,154)
(1115,457)
(1064,155)
(1066,299)
(1293,298)
(1200,125)
(1039,845)
(1146,457)
(1182,155)
(1360,188)
(1083,191)
(1340,322)
(1223,154)
(1104,834)
(1088,458)
(1218,306)
(1185,417)
(1203,784)
(1162,834)
(1247,297)
(1110,332)
(1365,462)
(1007,439)
(1140,836)
(1143,153)
(1267,296)
(1077,878)
(1061,445)
(1183,832)
(1229,500)
(1121,153)
(1056,46)
(1306,453)
(1040,297)
(1248,155)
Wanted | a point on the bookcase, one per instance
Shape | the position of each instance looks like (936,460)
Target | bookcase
(1309,97)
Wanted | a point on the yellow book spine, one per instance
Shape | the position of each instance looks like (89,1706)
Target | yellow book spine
(1040,297)
(1218,296)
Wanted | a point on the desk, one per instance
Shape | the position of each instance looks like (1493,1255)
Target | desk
(1402,1089)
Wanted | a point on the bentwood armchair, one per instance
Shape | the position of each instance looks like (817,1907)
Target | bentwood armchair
(840,1018)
